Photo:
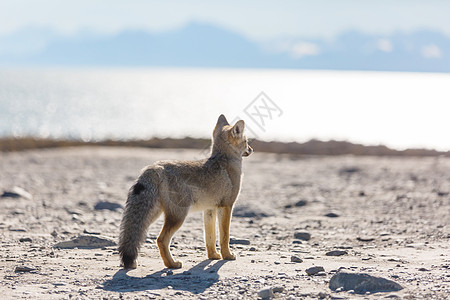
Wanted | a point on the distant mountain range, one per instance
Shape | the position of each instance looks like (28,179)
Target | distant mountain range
(206,45)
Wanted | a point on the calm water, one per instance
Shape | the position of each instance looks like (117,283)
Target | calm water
(397,109)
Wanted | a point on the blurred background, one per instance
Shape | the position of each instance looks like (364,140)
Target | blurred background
(369,72)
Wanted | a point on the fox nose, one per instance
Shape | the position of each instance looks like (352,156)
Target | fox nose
(248,151)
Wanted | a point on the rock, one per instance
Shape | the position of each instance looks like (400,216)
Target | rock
(361,283)
(349,170)
(24,269)
(86,242)
(332,215)
(278,289)
(305,236)
(17,229)
(101,205)
(234,241)
(301,203)
(54,233)
(365,238)
(296,259)
(17,192)
(90,232)
(59,283)
(336,253)
(265,293)
(314,270)
(252,249)
(249,212)
(27,239)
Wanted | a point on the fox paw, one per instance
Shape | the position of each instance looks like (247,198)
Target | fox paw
(176,265)
(130,265)
(214,256)
(229,256)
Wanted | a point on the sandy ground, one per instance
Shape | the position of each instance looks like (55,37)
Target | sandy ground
(393,219)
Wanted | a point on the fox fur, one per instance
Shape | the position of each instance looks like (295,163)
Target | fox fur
(176,187)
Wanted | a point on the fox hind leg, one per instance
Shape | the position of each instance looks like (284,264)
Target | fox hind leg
(209,220)
(171,225)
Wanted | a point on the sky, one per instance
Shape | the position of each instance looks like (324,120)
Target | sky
(257,20)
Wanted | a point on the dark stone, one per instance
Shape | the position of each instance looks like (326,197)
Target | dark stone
(107,205)
(301,203)
(25,240)
(331,215)
(17,192)
(23,269)
(91,232)
(362,283)
(349,170)
(278,289)
(365,238)
(9,195)
(17,229)
(336,253)
(296,259)
(234,241)
(138,188)
(305,236)
(314,270)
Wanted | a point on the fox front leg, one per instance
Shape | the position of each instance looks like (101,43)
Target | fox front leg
(224,226)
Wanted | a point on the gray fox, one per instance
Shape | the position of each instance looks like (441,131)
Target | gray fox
(176,187)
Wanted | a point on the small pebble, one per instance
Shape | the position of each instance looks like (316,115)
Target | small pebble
(314,270)
(265,293)
(305,236)
(234,241)
(278,289)
(24,269)
(296,259)
(332,215)
(336,253)
(365,238)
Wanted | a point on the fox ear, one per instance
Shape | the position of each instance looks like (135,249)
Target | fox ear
(238,129)
(222,121)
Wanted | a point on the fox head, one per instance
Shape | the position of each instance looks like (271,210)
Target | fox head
(230,139)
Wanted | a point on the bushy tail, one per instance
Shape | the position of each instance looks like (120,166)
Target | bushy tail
(142,209)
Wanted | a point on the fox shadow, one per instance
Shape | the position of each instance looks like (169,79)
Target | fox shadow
(195,280)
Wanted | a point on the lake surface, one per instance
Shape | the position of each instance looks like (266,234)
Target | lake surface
(397,109)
